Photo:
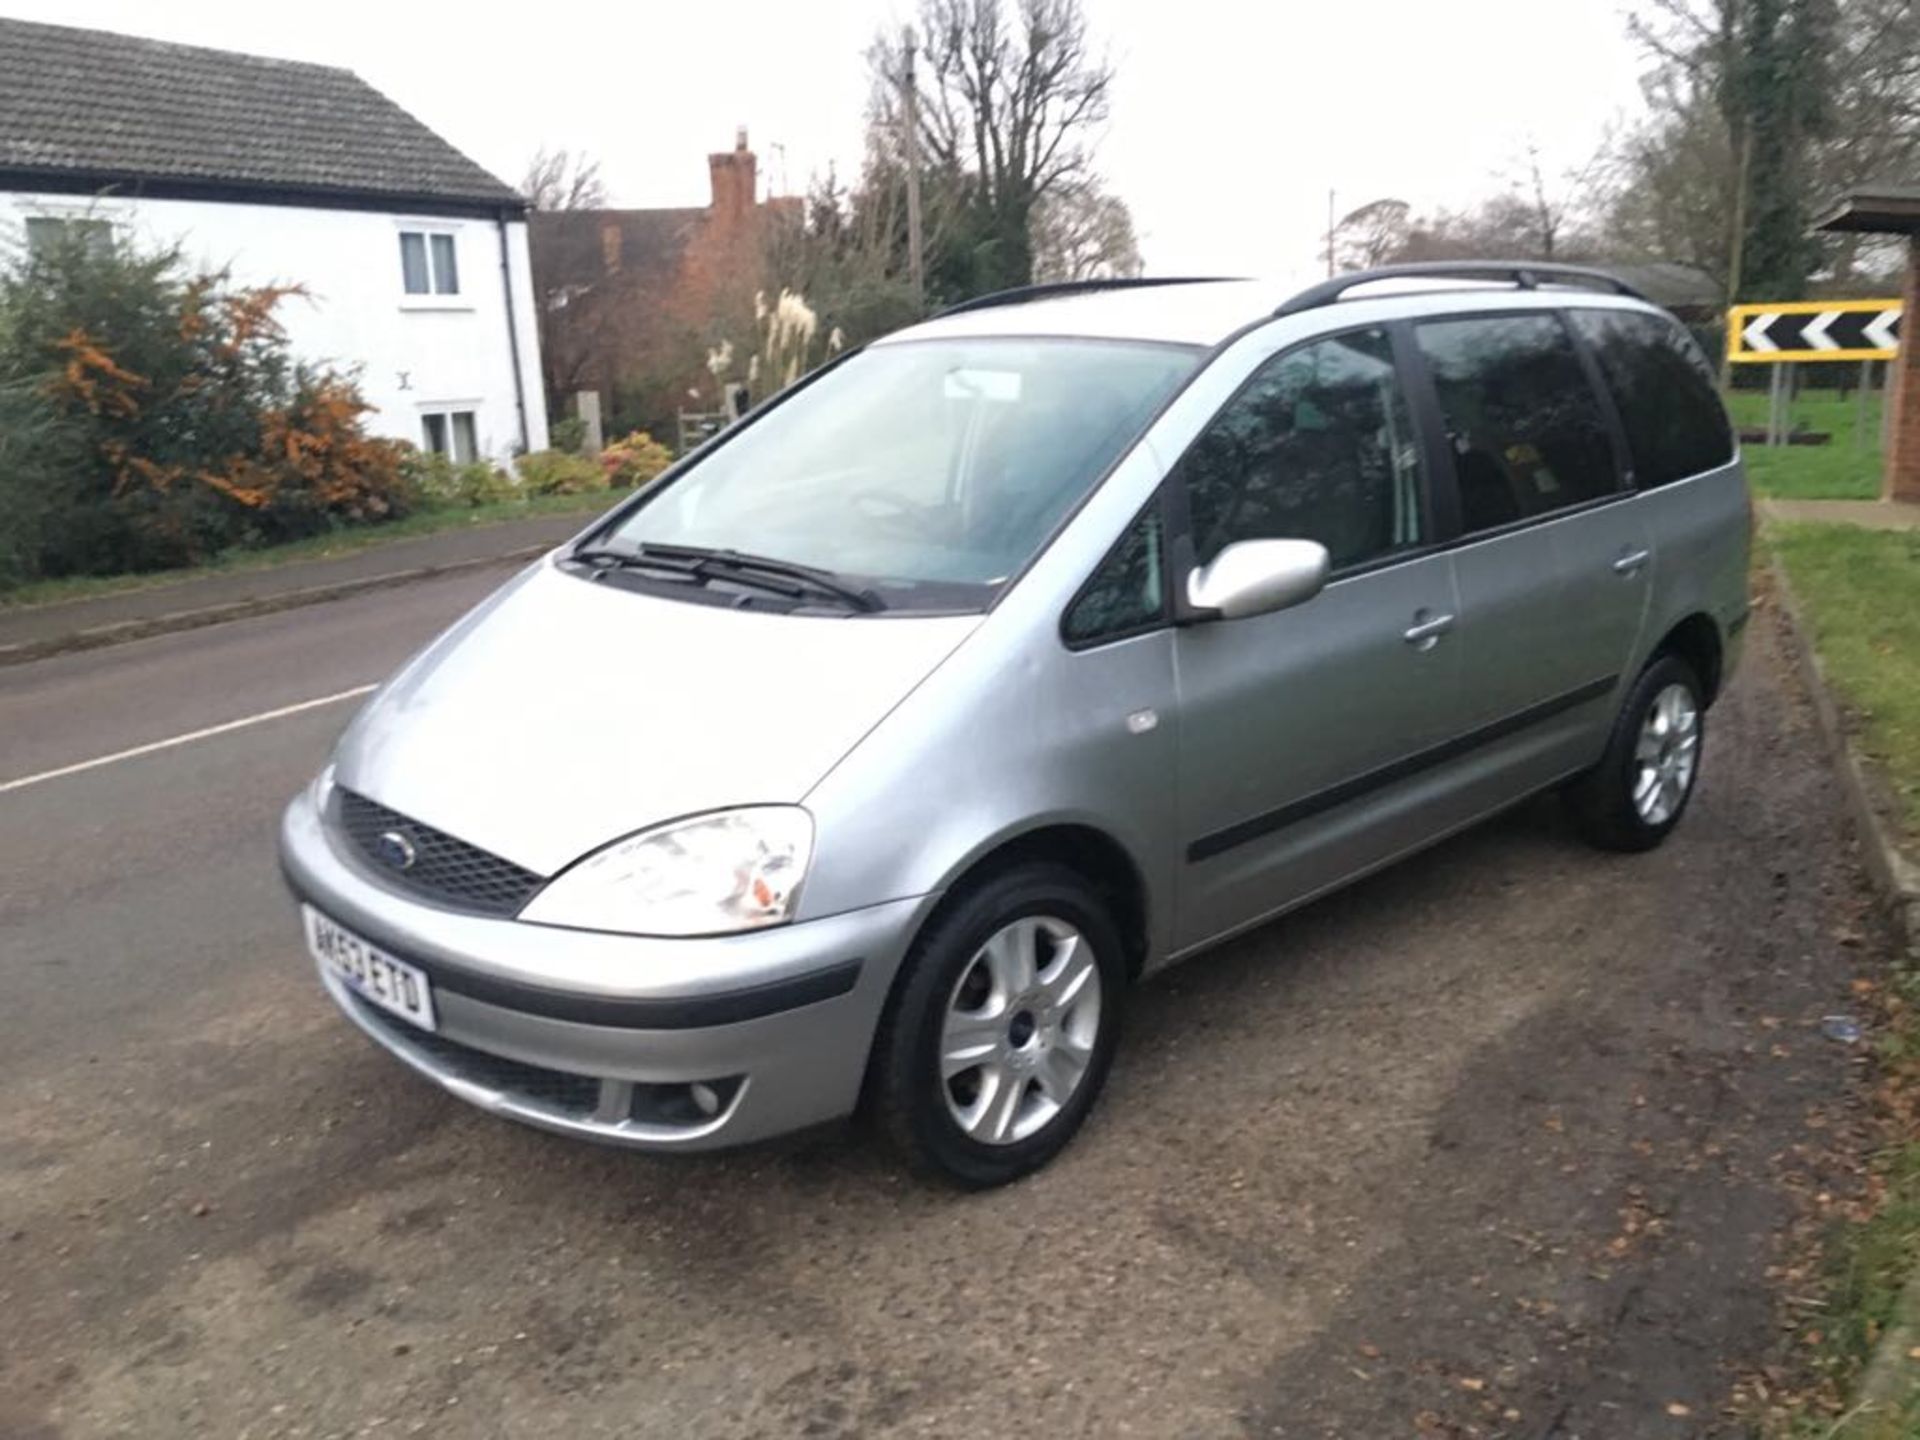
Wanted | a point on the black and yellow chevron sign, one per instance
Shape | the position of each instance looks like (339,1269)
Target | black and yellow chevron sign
(1813,330)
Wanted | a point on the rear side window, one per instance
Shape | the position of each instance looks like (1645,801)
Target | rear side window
(1668,406)
(1525,427)
(1318,446)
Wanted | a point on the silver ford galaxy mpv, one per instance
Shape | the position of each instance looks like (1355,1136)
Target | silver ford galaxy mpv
(868,758)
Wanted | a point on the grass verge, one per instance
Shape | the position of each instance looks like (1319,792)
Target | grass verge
(1823,411)
(345,541)
(1860,591)
(1802,472)
(1859,594)
(1867,1267)
(1842,469)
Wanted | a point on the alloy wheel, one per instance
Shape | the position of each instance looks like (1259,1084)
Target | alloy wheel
(1019,1030)
(1666,755)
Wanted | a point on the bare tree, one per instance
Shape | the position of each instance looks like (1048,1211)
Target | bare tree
(1874,132)
(562,180)
(1010,93)
(1548,214)
(1371,235)
(1672,194)
(1080,232)
(1760,110)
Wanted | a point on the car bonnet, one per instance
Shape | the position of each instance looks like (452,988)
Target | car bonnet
(562,714)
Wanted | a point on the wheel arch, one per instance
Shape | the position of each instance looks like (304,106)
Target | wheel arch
(1093,852)
(1696,639)
(1100,858)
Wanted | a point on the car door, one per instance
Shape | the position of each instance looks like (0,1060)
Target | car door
(1551,558)
(1300,730)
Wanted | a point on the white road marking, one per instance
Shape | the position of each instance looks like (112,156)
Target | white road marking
(187,739)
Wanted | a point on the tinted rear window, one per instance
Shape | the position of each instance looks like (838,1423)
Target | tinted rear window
(1526,429)
(1674,421)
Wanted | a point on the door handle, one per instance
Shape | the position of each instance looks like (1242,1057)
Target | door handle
(1423,633)
(1628,563)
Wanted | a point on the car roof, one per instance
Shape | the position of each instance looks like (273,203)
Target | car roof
(1206,312)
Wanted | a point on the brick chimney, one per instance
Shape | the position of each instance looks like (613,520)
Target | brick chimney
(732,173)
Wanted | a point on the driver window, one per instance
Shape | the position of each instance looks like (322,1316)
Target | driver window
(1318,446)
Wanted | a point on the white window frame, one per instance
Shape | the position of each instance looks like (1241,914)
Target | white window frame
(432,298)
(65,216)
(446,410)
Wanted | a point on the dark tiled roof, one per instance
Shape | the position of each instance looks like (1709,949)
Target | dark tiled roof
(91,106)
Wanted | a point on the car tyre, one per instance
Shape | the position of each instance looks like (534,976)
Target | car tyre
(1635,796)
(1038,1027)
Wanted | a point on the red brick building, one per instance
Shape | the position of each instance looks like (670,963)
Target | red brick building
(632,300)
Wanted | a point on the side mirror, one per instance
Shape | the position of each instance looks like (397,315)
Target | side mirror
(1255,577)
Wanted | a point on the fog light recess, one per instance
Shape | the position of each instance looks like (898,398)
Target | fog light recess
(684,1105)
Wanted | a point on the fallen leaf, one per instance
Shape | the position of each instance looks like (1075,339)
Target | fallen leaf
(1679,1411)
(1468,1382)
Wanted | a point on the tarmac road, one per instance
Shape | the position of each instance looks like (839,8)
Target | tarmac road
(1497,1143)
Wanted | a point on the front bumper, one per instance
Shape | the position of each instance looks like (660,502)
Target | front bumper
(580,1031)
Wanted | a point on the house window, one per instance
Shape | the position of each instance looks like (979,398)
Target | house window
(47,233)
(451,433)
(427,263)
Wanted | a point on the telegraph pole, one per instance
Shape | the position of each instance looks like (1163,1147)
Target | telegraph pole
(1736,259)
(911,100)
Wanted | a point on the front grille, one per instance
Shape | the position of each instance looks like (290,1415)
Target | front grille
(444,869)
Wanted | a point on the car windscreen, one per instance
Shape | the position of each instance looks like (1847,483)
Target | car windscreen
(930,472)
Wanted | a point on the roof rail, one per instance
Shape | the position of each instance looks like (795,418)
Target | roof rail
(1525,274)
(1021,294)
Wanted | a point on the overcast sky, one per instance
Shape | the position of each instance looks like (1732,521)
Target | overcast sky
(1231,118)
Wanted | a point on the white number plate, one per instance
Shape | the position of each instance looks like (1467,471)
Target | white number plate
(369,971)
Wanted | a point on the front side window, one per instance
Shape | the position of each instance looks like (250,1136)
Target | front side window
(1126,594)
(930,471)
(1524,424)
(1317,446)
(428,263)
(1665,393)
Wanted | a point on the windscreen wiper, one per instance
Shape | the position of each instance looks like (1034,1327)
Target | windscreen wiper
(699,564)
(750,568)
(603,558)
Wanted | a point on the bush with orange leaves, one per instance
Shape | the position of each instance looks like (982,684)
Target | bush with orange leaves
(634,460)
(157,416)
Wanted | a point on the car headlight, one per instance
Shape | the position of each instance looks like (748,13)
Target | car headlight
(708,875)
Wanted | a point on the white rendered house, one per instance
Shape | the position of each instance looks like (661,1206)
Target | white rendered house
(413,258)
